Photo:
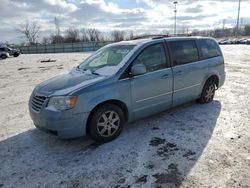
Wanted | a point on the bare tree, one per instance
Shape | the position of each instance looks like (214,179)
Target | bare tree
(217,32)
(131,35)
(56,39)
(94,34)
(30,30)
(85,36)
(165,32)
(72,35)
(46,40)
(117,35)
(247,30)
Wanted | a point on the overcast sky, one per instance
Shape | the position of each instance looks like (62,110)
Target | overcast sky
(141,16)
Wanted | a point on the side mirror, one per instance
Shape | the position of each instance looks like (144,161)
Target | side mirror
(138,69)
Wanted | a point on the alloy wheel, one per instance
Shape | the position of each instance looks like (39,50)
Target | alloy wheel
(108,123)
(210,91)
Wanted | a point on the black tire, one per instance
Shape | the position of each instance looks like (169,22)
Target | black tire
(208,92)
(3,56)
(99,128)
(16,54)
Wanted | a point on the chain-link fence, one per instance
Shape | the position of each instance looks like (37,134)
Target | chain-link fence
(64,47)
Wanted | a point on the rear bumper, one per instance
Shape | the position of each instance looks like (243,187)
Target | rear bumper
(60,123)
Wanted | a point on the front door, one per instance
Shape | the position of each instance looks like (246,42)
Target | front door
(152,92)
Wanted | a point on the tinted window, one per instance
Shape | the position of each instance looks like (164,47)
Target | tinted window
(153,57)
(183,52)
(209,49)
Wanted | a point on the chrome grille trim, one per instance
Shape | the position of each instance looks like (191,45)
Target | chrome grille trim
(37,102)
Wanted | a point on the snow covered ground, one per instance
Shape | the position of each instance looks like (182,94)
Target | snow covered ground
(192,145)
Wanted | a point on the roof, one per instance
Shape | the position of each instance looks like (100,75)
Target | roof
(133,42)
(145,40)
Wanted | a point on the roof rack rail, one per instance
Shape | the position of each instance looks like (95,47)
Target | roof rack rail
(160,36)
(183,35)
(150,36)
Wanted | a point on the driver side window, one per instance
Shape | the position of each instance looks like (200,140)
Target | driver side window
(153,57)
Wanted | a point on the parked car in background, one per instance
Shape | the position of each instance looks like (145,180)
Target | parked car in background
(234,41)
(242,41)
(225,41)
(9,52)
(4,54)
(126,81)
(221,41)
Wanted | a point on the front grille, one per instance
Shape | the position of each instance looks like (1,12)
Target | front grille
(37,102)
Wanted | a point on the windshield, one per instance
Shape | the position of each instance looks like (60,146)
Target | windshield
(106,61)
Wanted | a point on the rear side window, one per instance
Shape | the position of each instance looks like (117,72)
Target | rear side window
(183,52)
(153,57)
(209,49)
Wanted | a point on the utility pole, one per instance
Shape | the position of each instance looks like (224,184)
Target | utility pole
(57,27)
(237,27)
(224,23)
(175,11)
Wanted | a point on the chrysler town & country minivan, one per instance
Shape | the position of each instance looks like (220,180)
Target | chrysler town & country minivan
(126,81)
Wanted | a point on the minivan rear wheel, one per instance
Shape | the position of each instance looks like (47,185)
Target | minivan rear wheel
(208,92)
(106,123)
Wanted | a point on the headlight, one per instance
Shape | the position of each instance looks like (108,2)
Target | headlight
(62,102)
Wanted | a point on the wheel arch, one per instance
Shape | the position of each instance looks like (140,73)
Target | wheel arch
(214,78)
(117,102)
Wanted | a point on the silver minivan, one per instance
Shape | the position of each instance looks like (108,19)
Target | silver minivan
(126,81)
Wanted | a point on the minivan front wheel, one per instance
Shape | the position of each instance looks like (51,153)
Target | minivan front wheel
(106,123)
(208,92)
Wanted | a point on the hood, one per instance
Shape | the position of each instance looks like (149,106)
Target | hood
(67,83)
(15,50)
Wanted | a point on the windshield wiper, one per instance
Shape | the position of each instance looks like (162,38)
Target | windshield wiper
(78,68)
(84,70)
(95,73)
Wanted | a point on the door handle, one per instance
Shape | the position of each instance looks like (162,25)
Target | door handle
(179,73)
(165,76)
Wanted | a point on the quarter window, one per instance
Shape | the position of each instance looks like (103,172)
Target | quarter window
(183,52)
(209,49)
(153,57)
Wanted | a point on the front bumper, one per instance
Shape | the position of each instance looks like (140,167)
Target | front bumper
(63,124)
(222,79)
